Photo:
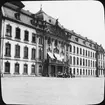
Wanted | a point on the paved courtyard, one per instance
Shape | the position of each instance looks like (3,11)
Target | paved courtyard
(52,91)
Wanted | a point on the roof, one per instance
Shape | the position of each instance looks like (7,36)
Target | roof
(42,15)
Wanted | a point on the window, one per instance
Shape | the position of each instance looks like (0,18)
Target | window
(17,68)
(70,48)
(80,51)
(8,30)
(86,52)
(83,62)
(83,72)
(25,69)
(33,69)
(74,71)
(77,71)
(17,51)
(8,49)
(80,61)
(74,60)
(33,38)
(91,54)
(83,52)
(91,63)
(40,54)
(80,71)
(77,61)
(33,53)
(66,47)
(40,40)
(70,59)
(26,52)
(17,33)
(17,16)
(74,49)
(88,63)
(26,34)
(7,67)
(40,69)
(86,71)
(77,50)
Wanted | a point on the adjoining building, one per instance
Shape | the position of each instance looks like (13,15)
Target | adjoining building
(38,45)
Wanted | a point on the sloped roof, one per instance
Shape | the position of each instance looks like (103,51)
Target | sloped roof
(42,15)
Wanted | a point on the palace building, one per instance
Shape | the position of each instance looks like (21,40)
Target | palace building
(38,45)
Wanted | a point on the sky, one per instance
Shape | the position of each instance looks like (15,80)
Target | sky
(84,17)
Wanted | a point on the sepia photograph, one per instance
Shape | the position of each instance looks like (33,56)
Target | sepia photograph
(52,52)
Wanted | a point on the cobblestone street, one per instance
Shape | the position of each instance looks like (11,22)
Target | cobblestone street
(52,91)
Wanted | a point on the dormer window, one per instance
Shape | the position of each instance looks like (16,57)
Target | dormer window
(90,45)
(17,16)
(50,20)
(76,39)
(84,42)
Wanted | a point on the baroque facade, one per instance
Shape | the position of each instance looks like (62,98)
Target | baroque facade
(38,45)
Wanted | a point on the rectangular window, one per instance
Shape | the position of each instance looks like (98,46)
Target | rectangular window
(40,40)
(17,51)
(17,33)
(7,67)
(8,49)
(70,48)
(26,34)
(25,69)
(33,69)
(16,68)
(40,54)
(74,49)
(8,30)
(33,53)
(26,52)
(33,38)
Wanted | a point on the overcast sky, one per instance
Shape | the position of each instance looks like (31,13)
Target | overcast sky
(84,17)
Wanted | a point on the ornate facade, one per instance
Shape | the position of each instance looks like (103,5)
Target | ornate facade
(38,45)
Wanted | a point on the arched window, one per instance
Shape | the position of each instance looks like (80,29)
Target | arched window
(17,33)
(17,50)
(26,52)
(8,30)
(83,72)
(25,69)
(17,68)
(88,72)
(7,49)
(91,63)
(33,69)
(7,67)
